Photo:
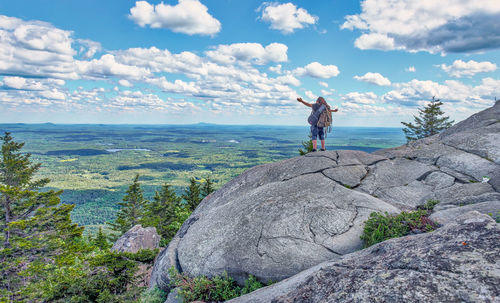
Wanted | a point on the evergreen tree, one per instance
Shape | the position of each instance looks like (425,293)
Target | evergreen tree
(161,212)
(35,227)
(132,208)
(192,195)
(101,240)
(18,194)
(429,122)
(308,146)
(207,187)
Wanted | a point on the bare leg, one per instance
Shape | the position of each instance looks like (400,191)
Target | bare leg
(315,144)
(322,144)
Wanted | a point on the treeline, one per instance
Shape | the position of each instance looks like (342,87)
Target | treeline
(166,211)
(44,256)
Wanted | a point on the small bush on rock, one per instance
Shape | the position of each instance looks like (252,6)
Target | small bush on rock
(251,284)
(429,205)
(216,289)
(153,295)
(381,227)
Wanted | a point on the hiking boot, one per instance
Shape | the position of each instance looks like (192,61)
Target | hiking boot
(314,150)
(323,149)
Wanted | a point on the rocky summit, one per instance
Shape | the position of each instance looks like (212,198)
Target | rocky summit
(277,220)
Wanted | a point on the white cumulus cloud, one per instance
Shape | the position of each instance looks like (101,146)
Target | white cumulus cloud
(108,66)
(126,83)
(188,16)
(374,78)
(230,76)
(375,41)
(360,98)
(317,70)
(53,94)
(88,48)
(325,92)
(460,68)
(35,48)
(286,17)
(434,26)
(24,83)
(417,92)
(249,52)
(288,80)
(275,69)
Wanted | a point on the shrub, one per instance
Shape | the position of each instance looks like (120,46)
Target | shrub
(143,255)
(153,295)
(380,227)
(100,276)
(251,284)
(218,289)
(429,205)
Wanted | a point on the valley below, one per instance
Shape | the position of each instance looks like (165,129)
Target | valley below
(94,164)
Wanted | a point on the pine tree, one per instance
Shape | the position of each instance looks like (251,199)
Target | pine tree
(192,195)
(207,187)
(132,208)
(18,194)
(35,226)
(161,212)
(308,146)
(101,240)
(429,122)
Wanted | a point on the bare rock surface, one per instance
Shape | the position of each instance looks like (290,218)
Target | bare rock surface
(270,235)
(460,262)
(464,194)
(450,214)
(278,219)
(137,238)
(439,180)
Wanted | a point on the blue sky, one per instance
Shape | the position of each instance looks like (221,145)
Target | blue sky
(245,62)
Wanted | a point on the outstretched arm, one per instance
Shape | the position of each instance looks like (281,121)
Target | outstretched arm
(304,102)
(334,110)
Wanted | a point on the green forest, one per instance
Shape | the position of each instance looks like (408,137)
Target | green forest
(44,255)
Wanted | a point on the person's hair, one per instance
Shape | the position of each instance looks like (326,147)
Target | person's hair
(321,100)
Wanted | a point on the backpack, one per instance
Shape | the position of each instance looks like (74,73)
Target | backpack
(315,115)
(325,118)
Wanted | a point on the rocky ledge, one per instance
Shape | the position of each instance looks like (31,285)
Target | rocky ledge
(279,219)
(459,262)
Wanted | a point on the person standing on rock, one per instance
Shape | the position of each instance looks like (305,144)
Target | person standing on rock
(316,130)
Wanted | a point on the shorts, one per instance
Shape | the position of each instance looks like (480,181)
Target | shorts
(315,131)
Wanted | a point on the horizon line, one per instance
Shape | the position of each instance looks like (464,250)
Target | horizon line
(178,124)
